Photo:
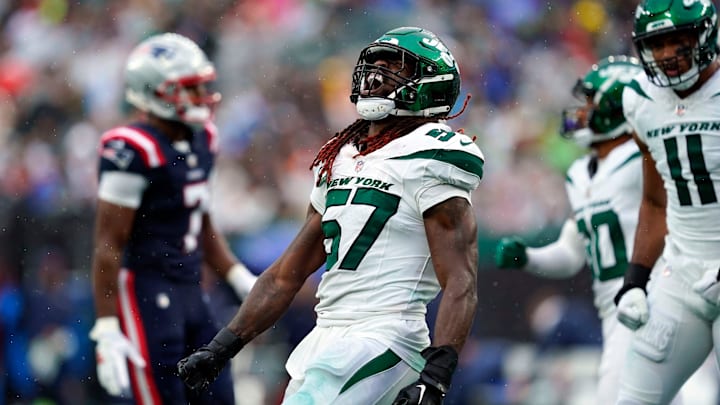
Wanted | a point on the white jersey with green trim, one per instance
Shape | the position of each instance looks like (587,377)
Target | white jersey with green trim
(683,136)
(378,262)
(605,208)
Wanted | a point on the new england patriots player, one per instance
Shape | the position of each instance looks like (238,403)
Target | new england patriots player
(153,232)
(390,215)
(604,189)
(675,113)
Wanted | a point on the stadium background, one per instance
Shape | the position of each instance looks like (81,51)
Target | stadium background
(284,71)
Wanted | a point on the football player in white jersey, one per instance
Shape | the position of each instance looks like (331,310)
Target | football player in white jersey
(675,113)
(604,188)
(390,216)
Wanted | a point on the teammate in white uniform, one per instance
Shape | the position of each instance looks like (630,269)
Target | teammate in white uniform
(390,215)
(675,112)
(604,188)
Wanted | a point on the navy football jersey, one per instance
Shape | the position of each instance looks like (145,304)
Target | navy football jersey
(172,197)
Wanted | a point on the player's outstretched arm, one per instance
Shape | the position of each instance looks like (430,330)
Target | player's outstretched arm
(267,302)
(561,259)
(452,236)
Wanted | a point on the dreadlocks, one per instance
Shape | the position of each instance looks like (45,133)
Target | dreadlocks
(357,130)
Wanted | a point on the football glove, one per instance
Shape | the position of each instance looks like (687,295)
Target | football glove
(113,350)
(511,253)
(631,299)
(434,381)
(201,368)
(709,286)
(633,310)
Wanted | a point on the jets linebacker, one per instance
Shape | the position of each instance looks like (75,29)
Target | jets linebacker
(391,218)
(674,110)
(604,189)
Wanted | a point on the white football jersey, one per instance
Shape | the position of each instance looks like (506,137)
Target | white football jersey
(378,261)
(683,136)
(605,208)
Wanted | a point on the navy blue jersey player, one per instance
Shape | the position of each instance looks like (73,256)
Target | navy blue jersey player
(153,233)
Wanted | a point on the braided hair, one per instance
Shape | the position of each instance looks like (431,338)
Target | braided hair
(354,133)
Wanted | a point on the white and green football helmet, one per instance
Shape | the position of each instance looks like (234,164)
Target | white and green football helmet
(431,91)
(655,18)
(601,118)
(159,72)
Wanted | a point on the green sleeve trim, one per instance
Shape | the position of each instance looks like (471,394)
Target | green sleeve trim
(636,87)
(628,160)
(377,365)
(568,179)
(462,160)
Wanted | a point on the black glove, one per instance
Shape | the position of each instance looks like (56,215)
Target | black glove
(434,381)
(636,276)
(201,368)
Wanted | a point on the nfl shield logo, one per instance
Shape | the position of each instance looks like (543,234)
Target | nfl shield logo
(679,109)
(359,165)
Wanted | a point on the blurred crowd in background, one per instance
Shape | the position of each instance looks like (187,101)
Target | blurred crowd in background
(284,69)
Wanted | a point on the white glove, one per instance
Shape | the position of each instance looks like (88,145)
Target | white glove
(708,287)
(241,279)
(113,350)
(633,309)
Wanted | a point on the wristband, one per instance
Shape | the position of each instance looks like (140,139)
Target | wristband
(440,364)
(241,279)
(636,276)
(226,343)
(103,325)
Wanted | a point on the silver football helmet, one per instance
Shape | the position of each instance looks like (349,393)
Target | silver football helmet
(166,75)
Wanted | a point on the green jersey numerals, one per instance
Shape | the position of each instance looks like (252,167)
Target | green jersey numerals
(699,171)
(607,245)
(386,205)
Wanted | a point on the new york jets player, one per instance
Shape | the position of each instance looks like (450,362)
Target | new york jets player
(604,188)
(390,215)
(675,112)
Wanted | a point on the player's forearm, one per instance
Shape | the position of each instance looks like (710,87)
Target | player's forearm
(106,266)
(264,306)
(563,258)
(217,254)
(456,312)
(650,234)
(554,261)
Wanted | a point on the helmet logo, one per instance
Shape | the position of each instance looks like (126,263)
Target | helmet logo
(690,3)
(162,52)
(444,52)
(656,25)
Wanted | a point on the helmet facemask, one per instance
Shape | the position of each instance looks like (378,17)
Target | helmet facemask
(399,78)
(690,57)
(188,98)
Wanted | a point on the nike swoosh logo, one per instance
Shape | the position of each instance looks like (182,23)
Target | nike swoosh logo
(422,392)
(466,143)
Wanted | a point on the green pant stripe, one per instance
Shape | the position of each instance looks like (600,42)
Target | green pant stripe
(377,365)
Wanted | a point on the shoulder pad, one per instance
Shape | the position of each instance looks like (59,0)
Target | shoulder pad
(439,142)
(140,141)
